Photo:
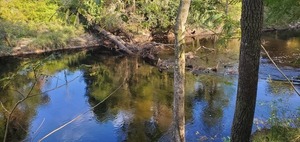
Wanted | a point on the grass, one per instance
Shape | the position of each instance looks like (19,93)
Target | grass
(39,36)
(57,36)
(35,23)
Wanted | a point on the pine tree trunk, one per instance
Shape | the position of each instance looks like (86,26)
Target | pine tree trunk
(251,26)
(179,73)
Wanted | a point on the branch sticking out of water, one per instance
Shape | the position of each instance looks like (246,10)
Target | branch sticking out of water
(280,70)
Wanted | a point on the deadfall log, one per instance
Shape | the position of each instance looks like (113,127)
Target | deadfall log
(116,40)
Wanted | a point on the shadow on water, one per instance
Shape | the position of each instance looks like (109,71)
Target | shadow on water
(67,85)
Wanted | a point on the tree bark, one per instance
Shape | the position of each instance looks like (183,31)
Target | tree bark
(251,26)
(179,72)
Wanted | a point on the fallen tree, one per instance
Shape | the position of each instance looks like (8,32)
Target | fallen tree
(149,51)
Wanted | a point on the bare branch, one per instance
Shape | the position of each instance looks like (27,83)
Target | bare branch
(4,107)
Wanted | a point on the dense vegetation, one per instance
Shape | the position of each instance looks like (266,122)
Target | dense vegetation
(52,24)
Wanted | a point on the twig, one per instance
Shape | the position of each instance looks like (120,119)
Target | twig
(280,70)
(210,49)
(16,105)
(22,127)
(4,107)
(78,116)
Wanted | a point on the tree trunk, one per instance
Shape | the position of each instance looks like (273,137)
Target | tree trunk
(179,72)
(251,26)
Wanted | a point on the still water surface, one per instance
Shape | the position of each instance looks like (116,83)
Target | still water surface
(68,85)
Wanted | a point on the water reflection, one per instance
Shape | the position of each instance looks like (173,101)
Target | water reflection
(14,92)
(141,110)
(210,102)
(285,52)
(142,104)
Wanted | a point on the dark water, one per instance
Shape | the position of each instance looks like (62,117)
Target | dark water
(140,109)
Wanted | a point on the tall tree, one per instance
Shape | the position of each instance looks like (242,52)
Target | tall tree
(251,26)
(179,72)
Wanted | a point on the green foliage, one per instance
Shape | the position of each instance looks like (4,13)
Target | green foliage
(206,13)
(211,15)
(71,10)
(281,13)
(157,13)
(111,21)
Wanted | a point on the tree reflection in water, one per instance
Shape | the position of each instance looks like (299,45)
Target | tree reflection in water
(140,111)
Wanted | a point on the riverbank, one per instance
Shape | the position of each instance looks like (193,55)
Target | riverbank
(90,41)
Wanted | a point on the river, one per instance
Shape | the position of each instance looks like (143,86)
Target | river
(137,98)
